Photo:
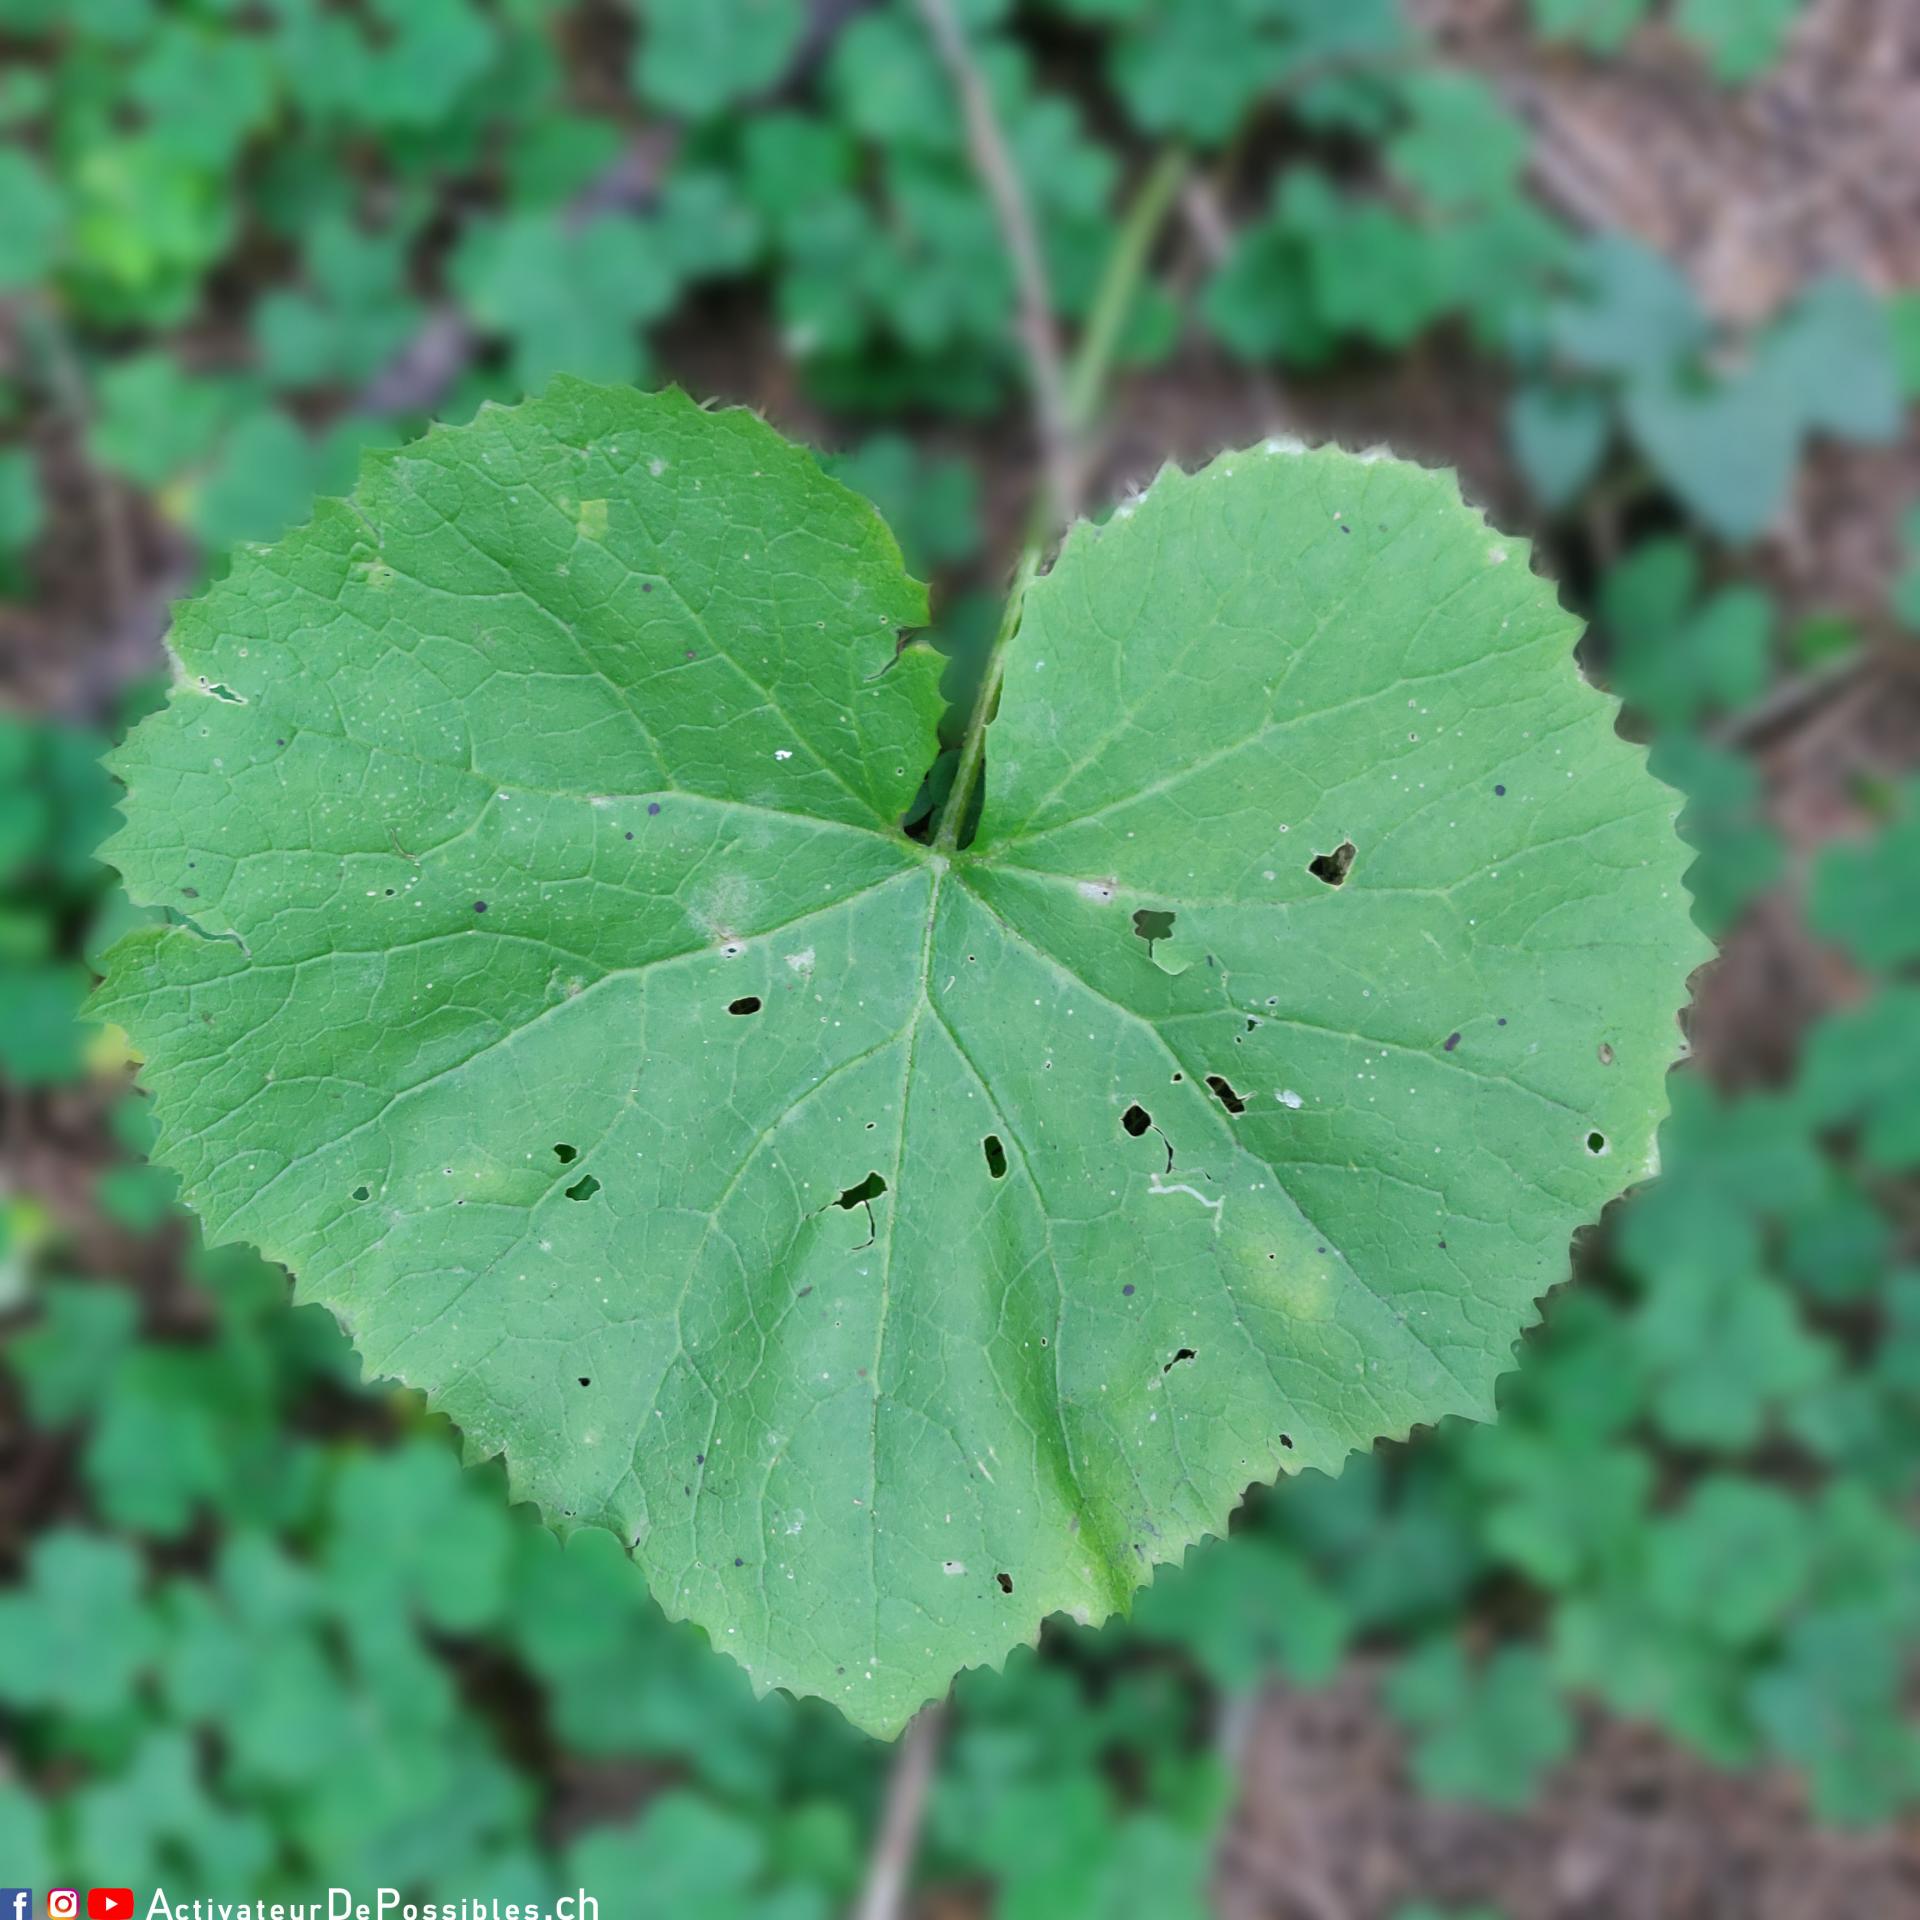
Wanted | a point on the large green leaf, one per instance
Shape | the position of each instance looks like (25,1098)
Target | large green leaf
(894,1249)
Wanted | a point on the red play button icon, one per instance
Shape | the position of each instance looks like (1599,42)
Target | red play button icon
(110,1903)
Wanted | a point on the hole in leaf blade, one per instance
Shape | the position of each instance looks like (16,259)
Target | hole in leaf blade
(996,1156)
(584,1188)
(1333,867)
(871,1188)
(1225,1094)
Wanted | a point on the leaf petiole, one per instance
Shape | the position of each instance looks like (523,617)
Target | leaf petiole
(1086,385)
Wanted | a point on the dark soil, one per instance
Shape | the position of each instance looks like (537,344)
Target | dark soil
(1630,1829)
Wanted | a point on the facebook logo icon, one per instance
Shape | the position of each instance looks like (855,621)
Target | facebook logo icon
(16,1903)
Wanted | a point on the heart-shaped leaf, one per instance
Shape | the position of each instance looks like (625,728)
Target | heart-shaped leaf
(895,1249)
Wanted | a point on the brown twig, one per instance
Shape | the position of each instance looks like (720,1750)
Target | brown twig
(1214,240)
(67,388)
(1206,220)
(1791,700)
(899,1837)
(1040,337)
(424,371)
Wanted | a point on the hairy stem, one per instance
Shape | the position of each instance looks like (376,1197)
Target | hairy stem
(1085,387)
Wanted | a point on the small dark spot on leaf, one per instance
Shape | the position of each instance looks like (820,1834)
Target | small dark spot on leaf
(747,1003)
(479,906)
(584,1188)
(1500,792)
(1004,1581)
(1344,528)
(565,1154)
(190,893)
(1286,1440)
(996,1156)
(871,1188)
(1606,1054)
(1333,867)
(1501,1022)
(1225,1094)
(1136,1120)
(653,807)
(585,1380)
(738,1562)
(629,836)
(1128,1288)
(1185,1353)
(1596,1143)
(362,1193)
(1452,1040)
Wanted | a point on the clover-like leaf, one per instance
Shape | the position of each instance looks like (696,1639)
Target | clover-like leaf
(895,1246)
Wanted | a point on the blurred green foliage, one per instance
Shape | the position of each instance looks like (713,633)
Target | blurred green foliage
(264,1628)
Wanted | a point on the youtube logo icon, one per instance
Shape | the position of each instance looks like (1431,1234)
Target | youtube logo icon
(110,1903)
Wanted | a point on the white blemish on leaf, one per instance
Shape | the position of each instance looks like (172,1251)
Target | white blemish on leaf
(1157,1185)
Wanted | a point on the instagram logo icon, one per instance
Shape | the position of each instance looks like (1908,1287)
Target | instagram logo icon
(63,1903)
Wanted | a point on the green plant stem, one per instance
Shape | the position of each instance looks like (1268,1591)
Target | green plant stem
(973,744)
(1086,387)
(1119,283)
